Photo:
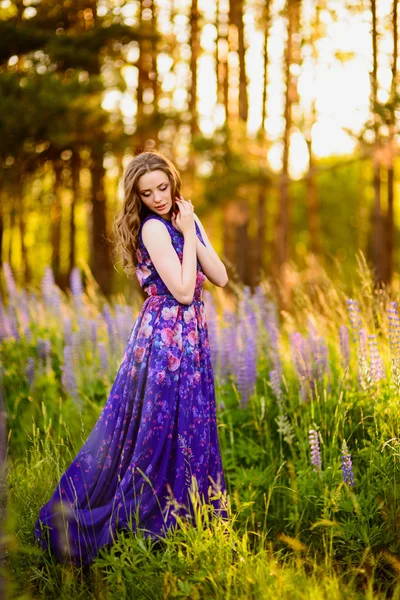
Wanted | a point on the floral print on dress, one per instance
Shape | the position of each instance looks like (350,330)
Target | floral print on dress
(157,430)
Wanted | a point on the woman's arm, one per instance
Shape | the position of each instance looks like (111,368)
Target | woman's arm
(211,264)
(179,278)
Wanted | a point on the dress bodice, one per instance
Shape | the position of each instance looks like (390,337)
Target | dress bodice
(146,273)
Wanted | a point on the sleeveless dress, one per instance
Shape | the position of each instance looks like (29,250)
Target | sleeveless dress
(156,436)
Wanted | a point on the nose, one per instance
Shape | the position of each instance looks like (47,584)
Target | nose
(158,197)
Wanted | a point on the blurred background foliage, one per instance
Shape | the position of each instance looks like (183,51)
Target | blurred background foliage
(281,115)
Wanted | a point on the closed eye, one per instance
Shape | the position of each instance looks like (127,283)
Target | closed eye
(162,187)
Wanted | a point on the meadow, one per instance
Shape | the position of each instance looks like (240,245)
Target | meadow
(308,414)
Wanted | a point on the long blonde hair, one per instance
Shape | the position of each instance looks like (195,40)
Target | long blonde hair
(127,223)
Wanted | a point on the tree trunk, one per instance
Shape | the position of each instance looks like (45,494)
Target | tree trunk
(282,228)
(236,17)
(221,59)
(26,272)
(389,229)
(312,203)
(75,173)
(194,46)
(378,248)
(100,260)
(55,222)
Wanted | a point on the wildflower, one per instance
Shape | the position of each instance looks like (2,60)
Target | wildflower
(355,317)
(76,287)
(30,370)
(376,363)
(344,346)
(285,428)
(212,324)
(228,345)
(276,386)
(68,376)
(316,460)
(347,466)
(67,331)
(10,281)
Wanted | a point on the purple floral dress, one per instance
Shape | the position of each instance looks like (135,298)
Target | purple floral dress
(157,433)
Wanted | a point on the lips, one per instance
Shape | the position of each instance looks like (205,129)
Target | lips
(161,207)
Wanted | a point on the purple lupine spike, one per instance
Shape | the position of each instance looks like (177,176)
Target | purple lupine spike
(47,285)
(344,346)
(316,460)
(5,329)
(394,328)
(27,333)
(322,360)
(41,348)
(275,380)
(93,331)
(272,328)
(10,281)
(347,466)
(363,337)
(103,355)
(12,321)
(68,378)
(67,331)
(23,309)
(228,345)
(355,316)
(241,371)
(30,370)
(83,329)
(377,368)
(212,325)
(76,288)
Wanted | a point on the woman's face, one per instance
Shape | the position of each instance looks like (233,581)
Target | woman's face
(155,192)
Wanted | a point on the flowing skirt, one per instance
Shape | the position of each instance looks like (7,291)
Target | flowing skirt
(156,432)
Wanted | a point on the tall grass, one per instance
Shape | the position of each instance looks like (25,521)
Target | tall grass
(306,520)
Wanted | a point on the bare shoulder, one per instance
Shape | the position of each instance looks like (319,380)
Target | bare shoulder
(154,229)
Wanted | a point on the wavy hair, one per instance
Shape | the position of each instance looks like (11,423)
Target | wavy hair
(133,211)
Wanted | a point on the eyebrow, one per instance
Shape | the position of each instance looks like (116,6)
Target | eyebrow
(147,190)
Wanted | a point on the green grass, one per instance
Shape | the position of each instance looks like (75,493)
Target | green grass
(294,532)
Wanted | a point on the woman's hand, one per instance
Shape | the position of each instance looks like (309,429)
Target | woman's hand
(184,220)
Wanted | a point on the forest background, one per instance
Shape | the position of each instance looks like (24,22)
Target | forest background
(282,117)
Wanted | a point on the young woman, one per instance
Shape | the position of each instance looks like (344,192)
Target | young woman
(156,438)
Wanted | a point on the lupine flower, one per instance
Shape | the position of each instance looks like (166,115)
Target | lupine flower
(76,288)
(228,346)
(10,281)
(355,316)
(394,329)
(67,331)
(301,360)
(276,387)
(50,292)
(316,460)
(30,370)
(347,466)
(5,329)
(376,363)
(68,378)
(344,346)
(93,331)
(212,324)
(364,374)
(112,341)
(272,328)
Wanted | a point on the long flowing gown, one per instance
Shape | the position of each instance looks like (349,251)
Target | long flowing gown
(156,433)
